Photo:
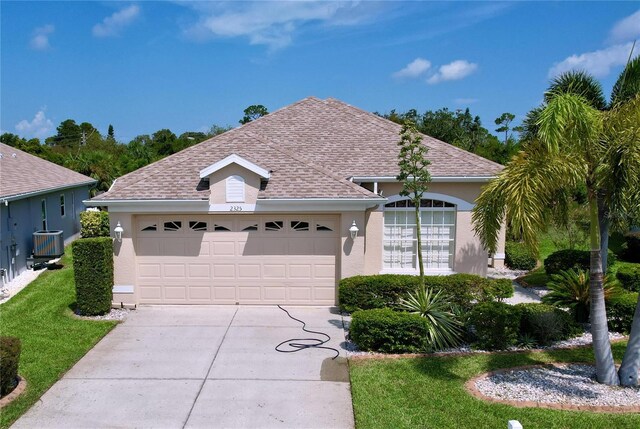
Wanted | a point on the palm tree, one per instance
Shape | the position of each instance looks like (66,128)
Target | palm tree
(574,142)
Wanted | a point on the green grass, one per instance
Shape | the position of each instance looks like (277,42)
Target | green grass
(429,393)
(52,339)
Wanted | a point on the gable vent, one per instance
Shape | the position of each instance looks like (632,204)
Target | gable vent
(235,189)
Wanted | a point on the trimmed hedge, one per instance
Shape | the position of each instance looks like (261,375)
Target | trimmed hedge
(495,324)
(564,260)
(93,272)
(546,323)
(388,331)
(629,278)
(620,311)
(632,246)
(10,349)
(519,257)
(385,290)
(94,224)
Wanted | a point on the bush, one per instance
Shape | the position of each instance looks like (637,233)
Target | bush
(632,246)
(93,272)
(495,324)
(386,290)
(620,311)
(498,290)
(388,331)
(629,278)
(546,323)
(94,224)
(519,257)
(570,289)
(564,260)
(10,348)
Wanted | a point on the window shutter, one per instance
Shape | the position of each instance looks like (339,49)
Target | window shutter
(235,189)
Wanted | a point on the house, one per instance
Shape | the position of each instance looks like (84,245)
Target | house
(282,208)
(35,195)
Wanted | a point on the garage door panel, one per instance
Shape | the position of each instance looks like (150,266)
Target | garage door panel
(293,264)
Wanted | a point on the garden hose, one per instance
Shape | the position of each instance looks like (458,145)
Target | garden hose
(297,344)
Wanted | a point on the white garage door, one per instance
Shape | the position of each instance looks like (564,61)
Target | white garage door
(246,259)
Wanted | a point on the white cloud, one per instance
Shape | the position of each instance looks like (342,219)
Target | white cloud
(40,126)
(40,39)
(414,69)
(114,23)
(626,29)
(273,24)
(465,100)
(455,70)
(598,63)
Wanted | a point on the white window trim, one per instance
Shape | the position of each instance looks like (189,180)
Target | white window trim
(235,159)
(416,271)
(44,220)
(231,198)
(461,205)
(63,206)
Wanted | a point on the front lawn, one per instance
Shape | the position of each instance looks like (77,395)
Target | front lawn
(429,393)
(52,339)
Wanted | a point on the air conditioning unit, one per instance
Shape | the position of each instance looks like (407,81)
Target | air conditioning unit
(48,244)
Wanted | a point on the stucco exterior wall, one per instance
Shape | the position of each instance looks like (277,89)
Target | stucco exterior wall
(124,261)
(217,184)
(373,242)
(19,219)
(352,251)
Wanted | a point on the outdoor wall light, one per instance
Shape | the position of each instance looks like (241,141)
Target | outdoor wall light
(118,230)
(353,230)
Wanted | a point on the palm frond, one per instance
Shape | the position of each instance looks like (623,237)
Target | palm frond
(577,83)
(628,84)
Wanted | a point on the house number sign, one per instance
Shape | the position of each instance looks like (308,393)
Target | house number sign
(235,208)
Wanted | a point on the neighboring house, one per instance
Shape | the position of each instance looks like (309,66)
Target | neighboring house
(262,213)
(35,195)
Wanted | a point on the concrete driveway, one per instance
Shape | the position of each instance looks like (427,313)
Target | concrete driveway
(204,367)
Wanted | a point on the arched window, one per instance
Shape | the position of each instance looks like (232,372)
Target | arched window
(235,189)
(437,222)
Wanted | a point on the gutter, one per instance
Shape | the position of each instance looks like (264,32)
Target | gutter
(435,179)
(44,191)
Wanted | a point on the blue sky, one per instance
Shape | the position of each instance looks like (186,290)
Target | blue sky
(142,66)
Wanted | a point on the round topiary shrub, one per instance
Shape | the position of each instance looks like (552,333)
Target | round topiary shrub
(632,246)
(10,348)
(495,324)
(546,323)
(620,311)
(564,260)
(629,278)
(519,257)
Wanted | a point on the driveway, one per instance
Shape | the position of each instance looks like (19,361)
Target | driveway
(204,367)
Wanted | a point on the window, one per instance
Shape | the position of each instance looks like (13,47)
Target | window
(320,227)
(298,225)
(153,227)
(62,212)
(235,189)
(173,225)
(220,228)
(43,213)
(275,225)
(197,225)
(437,221)
(253,227)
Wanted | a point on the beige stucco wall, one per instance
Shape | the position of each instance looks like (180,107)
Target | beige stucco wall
(217,184)
(124,258)
(352,258)
(373,242)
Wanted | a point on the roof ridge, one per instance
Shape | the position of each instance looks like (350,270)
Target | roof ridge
(382,122)
(313,165)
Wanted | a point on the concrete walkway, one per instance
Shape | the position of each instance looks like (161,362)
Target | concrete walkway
(522,295)
(204,367)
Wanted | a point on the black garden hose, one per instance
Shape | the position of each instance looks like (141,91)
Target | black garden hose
(297,344)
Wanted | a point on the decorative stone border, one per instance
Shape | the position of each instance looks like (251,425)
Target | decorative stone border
(470,386)
(22,385)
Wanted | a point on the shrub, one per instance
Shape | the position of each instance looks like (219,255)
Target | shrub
(10,348)
(444,329)
(386,290)
(546,323)
(388,331)
(496,325)
(570,289)
(519,257)
(93,272)
(632,246)
(94,224)
(629,278)
(620,311)
(564,260)
(498,290)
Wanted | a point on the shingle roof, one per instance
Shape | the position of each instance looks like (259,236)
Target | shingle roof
(23,173)
(312,147)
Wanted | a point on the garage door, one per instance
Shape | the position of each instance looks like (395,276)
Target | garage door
(225,259)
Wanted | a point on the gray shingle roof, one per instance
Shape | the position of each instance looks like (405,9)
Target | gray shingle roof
(25,173)
(312,147)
